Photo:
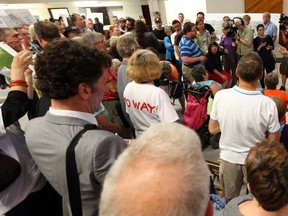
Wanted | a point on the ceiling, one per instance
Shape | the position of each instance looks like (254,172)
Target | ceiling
(54,1)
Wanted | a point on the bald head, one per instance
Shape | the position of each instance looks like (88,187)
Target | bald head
(163,170)
(266,17)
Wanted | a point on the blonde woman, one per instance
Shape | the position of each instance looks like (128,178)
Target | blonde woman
(145,103)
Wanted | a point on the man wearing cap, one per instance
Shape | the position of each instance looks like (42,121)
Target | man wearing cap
(159,32)
(71,32)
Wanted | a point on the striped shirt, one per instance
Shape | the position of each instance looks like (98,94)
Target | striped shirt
(189,48)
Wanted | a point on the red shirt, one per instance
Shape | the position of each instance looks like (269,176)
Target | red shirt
(111,92)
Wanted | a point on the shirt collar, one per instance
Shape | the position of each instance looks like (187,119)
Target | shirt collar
(76,114)
(247,92)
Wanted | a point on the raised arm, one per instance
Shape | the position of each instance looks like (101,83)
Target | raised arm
(16,103)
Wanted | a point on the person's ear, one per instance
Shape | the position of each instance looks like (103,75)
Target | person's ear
(237,74)
(261,75)
(248,187)
(84,91)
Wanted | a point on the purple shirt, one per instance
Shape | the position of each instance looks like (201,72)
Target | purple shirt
(226,42)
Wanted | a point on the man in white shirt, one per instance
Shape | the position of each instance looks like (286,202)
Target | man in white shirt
(244,116)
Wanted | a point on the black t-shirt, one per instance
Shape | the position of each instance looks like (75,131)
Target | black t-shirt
(160,35)
(265,54)
(209,27)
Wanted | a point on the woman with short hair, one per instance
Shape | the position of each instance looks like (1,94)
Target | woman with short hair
(146,104)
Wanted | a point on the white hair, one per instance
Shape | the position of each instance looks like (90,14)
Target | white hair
(89,38)
(171,154)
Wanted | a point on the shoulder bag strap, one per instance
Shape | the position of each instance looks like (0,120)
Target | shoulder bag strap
(72,173)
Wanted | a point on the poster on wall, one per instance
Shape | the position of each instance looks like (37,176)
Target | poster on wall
(16,17)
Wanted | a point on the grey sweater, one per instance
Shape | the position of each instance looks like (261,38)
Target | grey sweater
(231,209)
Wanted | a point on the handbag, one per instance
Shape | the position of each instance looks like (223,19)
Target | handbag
(10,169)
(72,175)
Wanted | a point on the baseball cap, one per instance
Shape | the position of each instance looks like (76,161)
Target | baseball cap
(157,20)
(70,29)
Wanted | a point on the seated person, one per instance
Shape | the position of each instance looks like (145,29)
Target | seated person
(163,173)
(174,89)
(271,81)
(201,77)
(282,109)
(146,104)
(267,168)
(214,66)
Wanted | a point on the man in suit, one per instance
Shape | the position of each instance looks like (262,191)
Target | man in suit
(74,77)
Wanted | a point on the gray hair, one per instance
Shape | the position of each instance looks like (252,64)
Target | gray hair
(165,163)
(90,38)
(3,33)
(114,40)
(271,80)
(167,28)
(198,73)
(126,45)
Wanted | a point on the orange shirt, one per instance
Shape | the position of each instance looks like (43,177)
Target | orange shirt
(280,94)
(174,72)
(277,93)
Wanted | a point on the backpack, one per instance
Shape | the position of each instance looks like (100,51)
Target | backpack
(195,114)
(176,89)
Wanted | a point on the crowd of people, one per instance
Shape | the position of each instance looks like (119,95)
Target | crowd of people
(103,136)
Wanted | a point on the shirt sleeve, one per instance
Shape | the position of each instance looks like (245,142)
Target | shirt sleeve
(166,111)
(273,126)
(274,30)
(166,42)
(14,107)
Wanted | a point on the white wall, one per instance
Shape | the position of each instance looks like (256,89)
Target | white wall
(285,7)
(168,8)
(132,8)
(188,8)
(225,6)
